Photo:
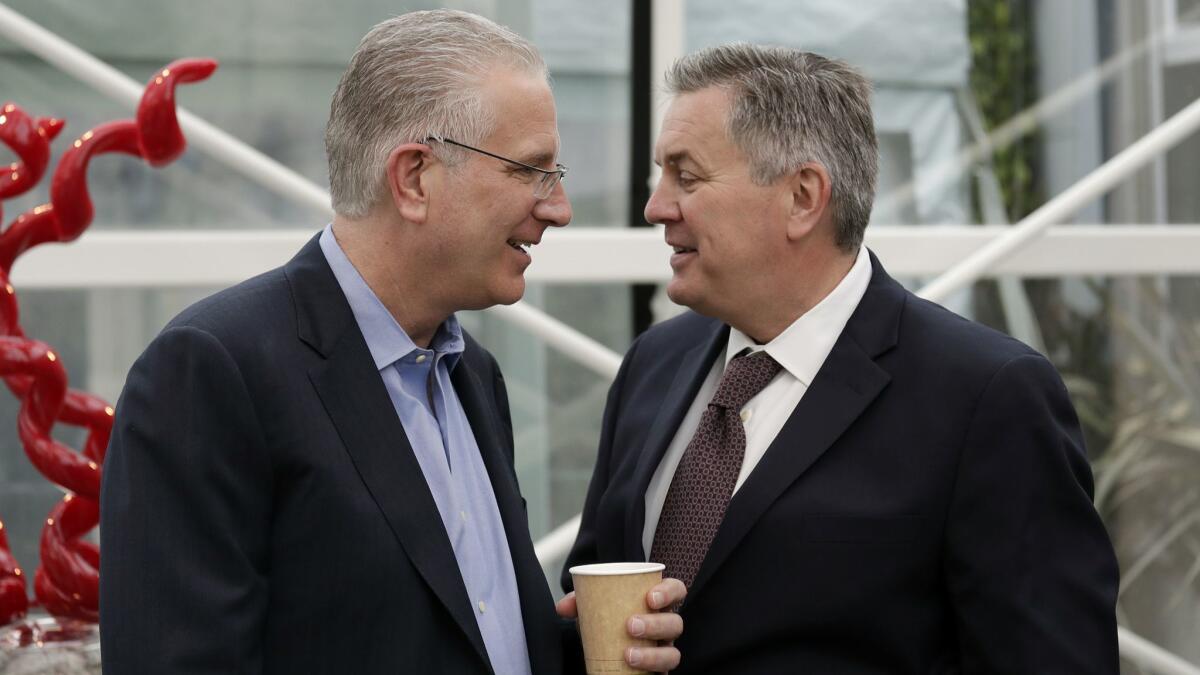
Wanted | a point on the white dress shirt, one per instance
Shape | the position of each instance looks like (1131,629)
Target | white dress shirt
(801,349)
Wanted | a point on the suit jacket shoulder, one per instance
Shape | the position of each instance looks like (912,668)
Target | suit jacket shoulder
(935,335)
(242,311)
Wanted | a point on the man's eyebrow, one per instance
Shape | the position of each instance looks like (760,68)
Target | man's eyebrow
(677,157)
(538,159)
(673,158)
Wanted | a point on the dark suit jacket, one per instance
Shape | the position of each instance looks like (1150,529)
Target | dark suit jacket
(263,511)
(925,509)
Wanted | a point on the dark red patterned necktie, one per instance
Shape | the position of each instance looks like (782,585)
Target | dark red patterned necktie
(707,472)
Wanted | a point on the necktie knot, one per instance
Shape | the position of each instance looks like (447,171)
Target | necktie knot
(744,377)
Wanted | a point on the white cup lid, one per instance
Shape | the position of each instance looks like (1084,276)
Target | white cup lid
(602,569)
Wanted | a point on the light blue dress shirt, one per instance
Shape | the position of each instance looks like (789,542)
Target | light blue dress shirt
(418,382)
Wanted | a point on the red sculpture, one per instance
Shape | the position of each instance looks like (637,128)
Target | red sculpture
(67,583)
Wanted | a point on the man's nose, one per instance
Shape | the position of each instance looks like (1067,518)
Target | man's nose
(660,208)
(555,209)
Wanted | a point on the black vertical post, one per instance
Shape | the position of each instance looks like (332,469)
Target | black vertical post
(641,82)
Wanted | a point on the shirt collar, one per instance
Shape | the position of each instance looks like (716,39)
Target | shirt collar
(803,347)
(386,340)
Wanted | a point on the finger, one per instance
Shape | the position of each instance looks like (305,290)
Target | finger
(662,626)
(666,593)
(653,659)
(566,607)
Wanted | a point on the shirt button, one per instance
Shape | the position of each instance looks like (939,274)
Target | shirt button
(746,415)
(421,358)
(463,515)
(482,607)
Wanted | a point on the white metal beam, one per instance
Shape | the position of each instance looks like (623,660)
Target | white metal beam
(987,259)
(163,258)
(1150,656)
(667,44)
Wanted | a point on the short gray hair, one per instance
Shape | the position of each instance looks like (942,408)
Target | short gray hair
(790,107)
(413,77)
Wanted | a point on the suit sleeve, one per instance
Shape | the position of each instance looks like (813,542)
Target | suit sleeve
(1030,569)
(185,512)
(584,551)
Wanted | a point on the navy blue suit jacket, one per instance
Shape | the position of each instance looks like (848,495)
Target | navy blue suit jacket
(925,509)
(262,509)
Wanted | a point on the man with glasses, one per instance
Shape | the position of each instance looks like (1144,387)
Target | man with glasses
(546,179)
(312,472)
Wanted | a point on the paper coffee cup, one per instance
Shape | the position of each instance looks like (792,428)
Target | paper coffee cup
(607,595)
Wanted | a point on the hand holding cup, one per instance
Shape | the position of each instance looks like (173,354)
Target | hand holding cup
(621,618)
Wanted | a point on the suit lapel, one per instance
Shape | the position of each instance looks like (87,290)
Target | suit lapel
(846,384)
(482,417)
(695,365)
(533,592)
(830,405)
(358,404)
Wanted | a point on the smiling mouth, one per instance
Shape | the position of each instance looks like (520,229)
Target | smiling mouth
(682,249)
(522,245)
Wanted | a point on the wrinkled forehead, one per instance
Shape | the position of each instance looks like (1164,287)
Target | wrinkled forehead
(695,124)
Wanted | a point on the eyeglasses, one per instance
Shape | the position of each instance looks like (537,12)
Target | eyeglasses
(545,185)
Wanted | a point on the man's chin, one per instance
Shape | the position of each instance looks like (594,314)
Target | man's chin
(697,300)
(679,293)
(508,293)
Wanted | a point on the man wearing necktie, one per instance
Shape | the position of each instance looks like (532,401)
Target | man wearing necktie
(848,479)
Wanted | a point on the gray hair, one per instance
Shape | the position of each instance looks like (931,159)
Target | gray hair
(790,107)
(414,77)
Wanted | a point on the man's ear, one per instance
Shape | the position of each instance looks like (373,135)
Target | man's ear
(811,188)
(408,179)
